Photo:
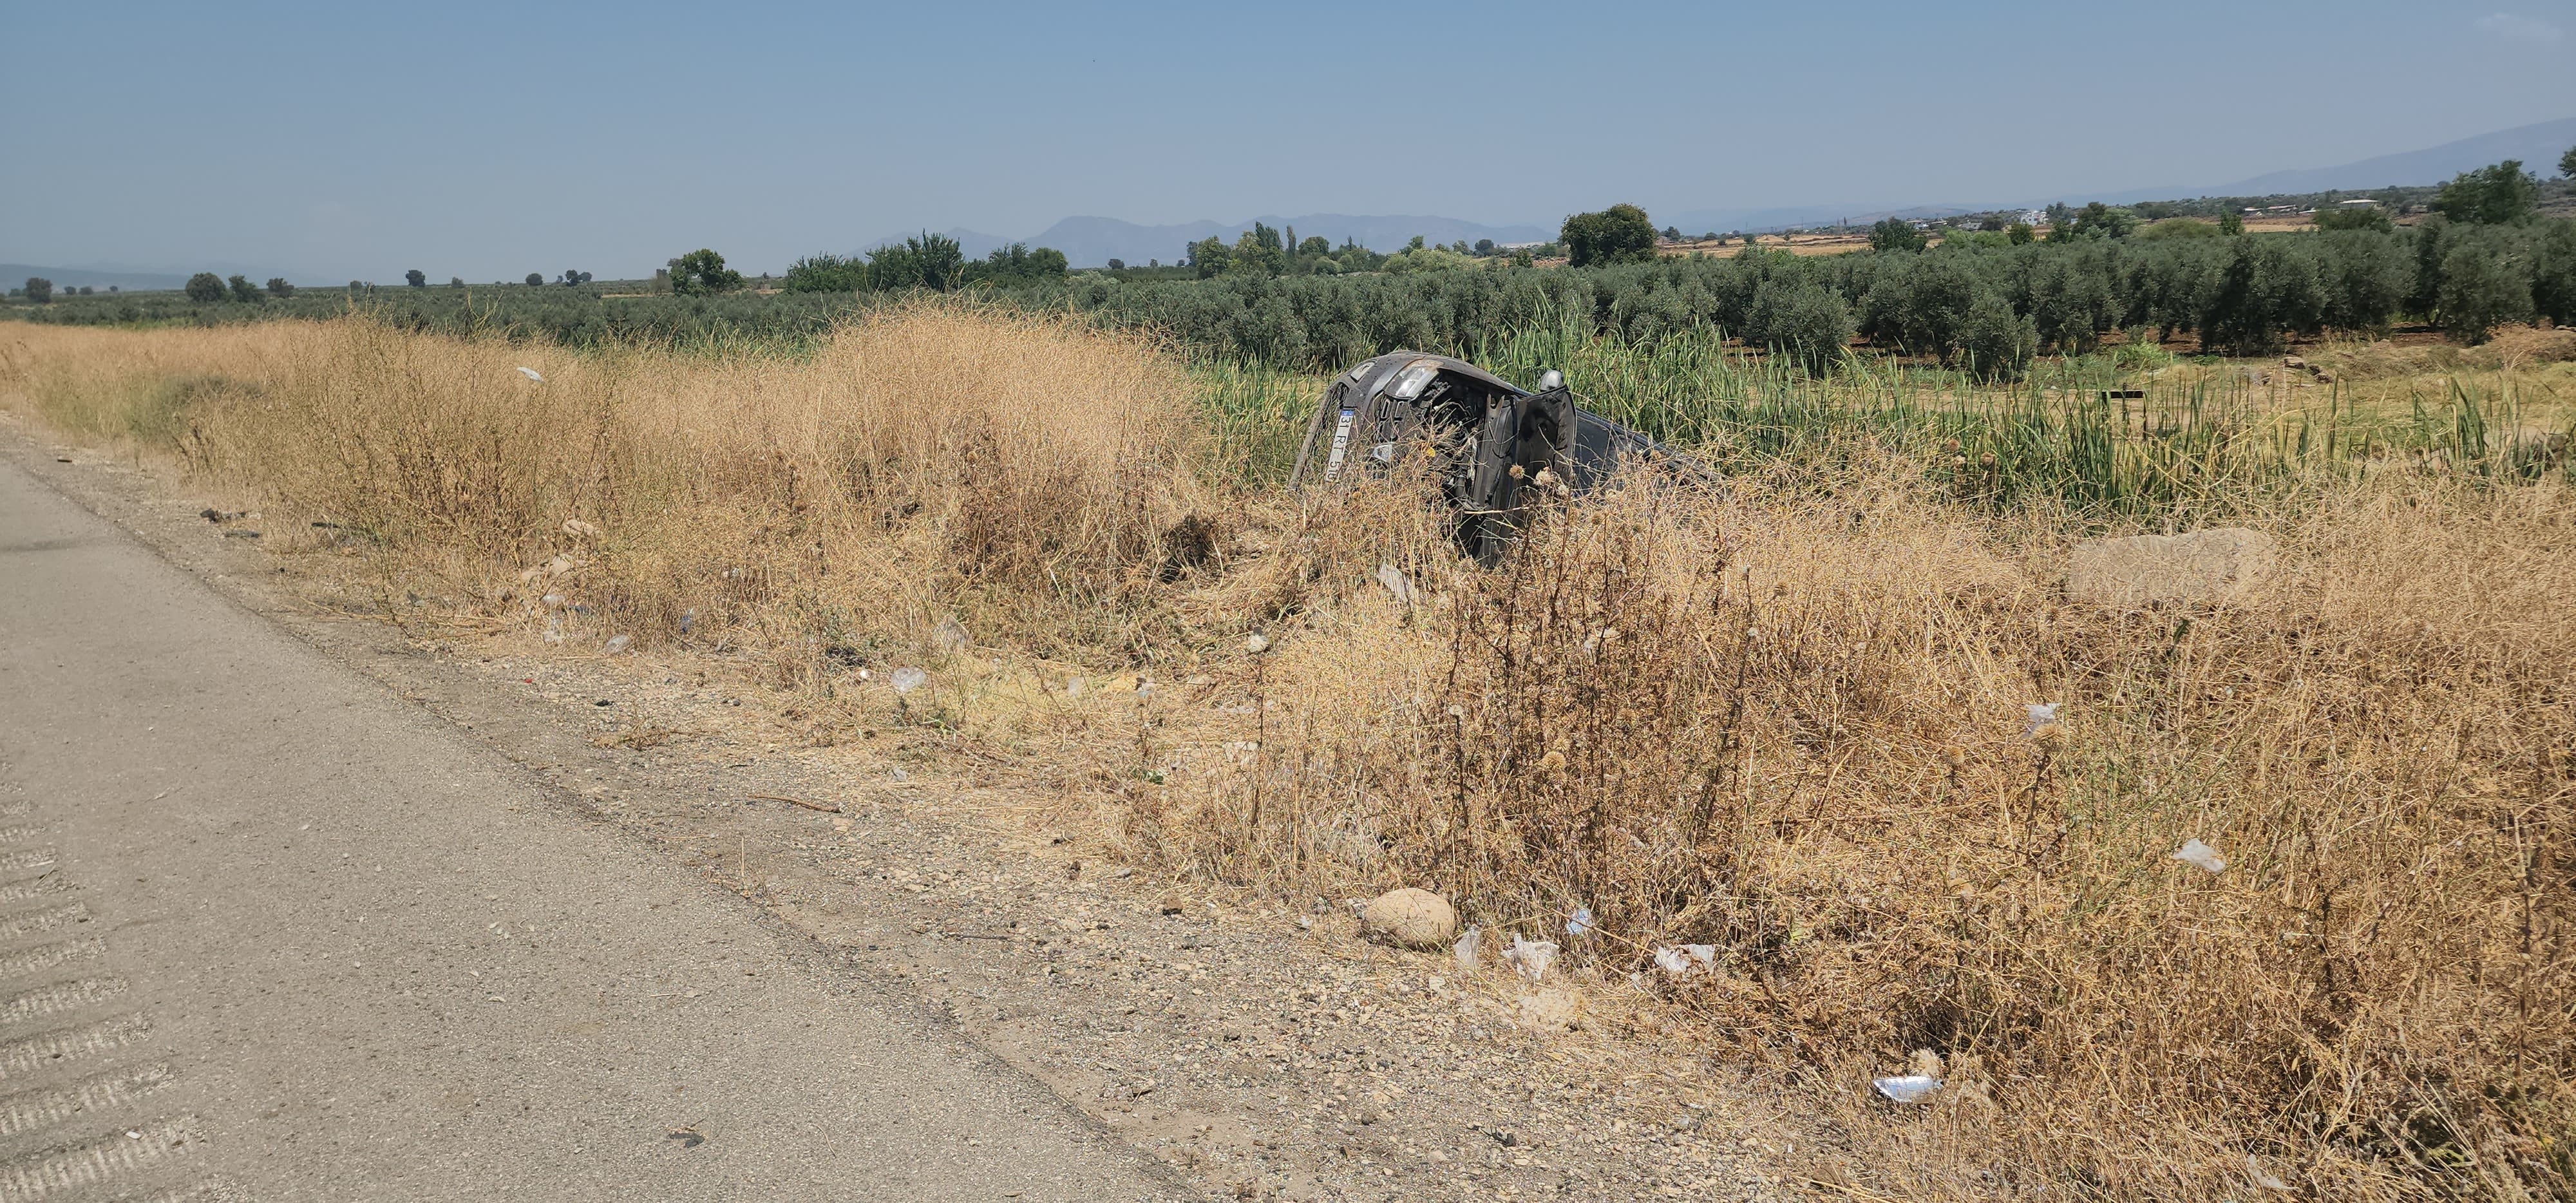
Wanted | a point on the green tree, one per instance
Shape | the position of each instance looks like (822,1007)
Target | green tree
(1017,264)
(205,288)
(2098,220)
(279,288)
(1895,234)
(2485,284)
(701,272)
(2020,233)
(1801,319)
(1619,234)
(1258,252)
(538,279)
(416,278)
(1120,265)
(1210,256)
(1994,342)
(2355,217)
(40,290)
(2567,164)
(826,273)
(242,289)
(456,281)
(2491,195)
(932,261)
(2230,222)
(1314,245)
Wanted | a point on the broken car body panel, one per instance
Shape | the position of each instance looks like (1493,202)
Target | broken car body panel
(1489,439)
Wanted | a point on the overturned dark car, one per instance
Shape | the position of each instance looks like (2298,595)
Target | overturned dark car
(1491,442)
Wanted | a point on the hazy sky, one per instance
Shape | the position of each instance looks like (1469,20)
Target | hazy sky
(354,139)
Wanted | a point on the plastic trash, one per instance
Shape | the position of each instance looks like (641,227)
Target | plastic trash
(1681,959)
(554,629)
(2042,714)
(905,680)
(553,601)
(1469,947)
(619,643)
(531,373)
(1581,924)
(688,621)
(1531,957)
(2200,855)
(951,636)
(1908,1088)
(1256,643)
(1394,580)
(2264,1178)
(1074,686)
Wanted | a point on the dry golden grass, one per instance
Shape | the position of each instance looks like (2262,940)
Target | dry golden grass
(1788,719)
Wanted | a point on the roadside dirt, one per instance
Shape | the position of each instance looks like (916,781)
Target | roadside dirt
(1263,1052)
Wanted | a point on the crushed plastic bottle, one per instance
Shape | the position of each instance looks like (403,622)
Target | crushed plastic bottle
(688,621)
(905,680)
(1580,925)
(1394,580)
(951,636)
(531,373)
(1907,1088)
(619,643)
(2264,1178)
(1256,643)
(1679,960)
(1531,957)
(2200,855)
(1468,949)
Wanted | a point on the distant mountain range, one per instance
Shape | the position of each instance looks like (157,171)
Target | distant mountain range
(2537,145)
(1094,241)
(13,275)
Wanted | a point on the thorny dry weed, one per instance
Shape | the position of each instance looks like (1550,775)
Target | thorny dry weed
(1787,719)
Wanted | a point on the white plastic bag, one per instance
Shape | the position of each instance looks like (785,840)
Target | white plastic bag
(2042,714)
(1531,957)
(2200,855)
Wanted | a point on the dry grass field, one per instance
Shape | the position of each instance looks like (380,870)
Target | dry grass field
(1789,718)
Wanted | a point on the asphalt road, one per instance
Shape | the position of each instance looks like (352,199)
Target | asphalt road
(269,933)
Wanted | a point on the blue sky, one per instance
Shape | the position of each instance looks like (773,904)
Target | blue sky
(339,140)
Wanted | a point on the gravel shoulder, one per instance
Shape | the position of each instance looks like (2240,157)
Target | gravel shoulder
(1254,1050)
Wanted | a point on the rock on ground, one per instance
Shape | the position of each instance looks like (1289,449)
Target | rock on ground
(2206,566)
(1411,918)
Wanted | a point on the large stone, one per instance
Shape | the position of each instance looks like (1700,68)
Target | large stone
(1411,918)
(2203,567)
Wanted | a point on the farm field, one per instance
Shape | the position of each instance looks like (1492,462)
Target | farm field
(1788,717)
